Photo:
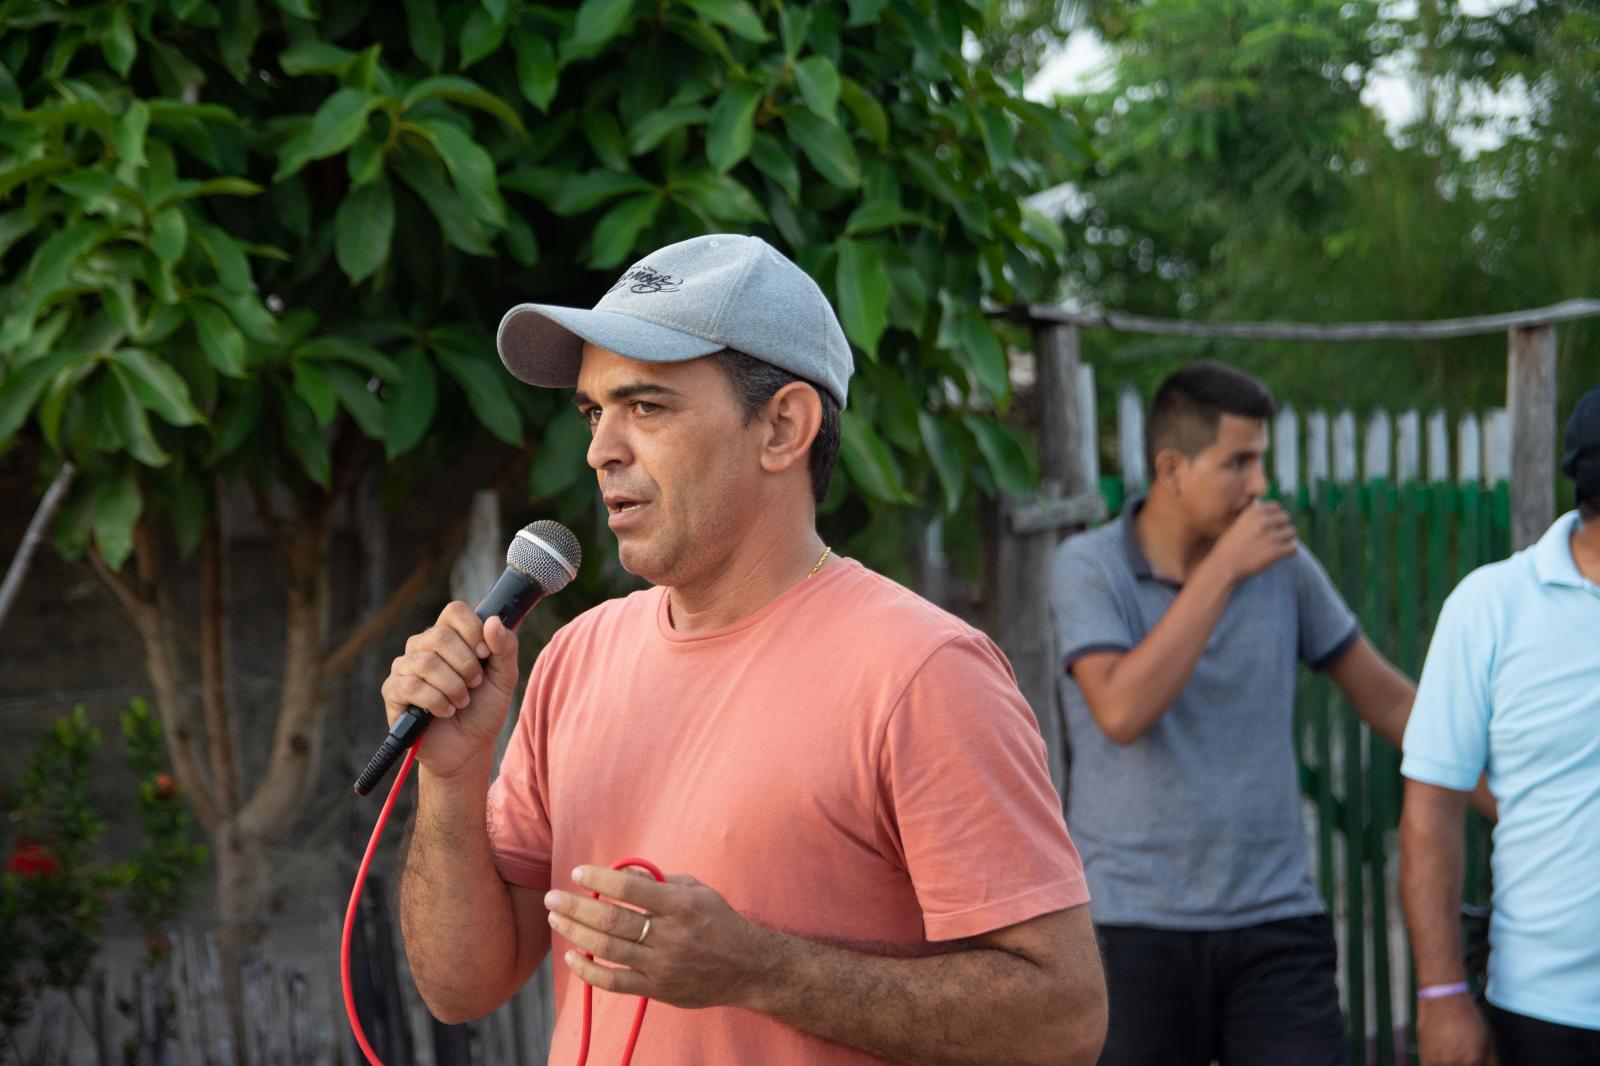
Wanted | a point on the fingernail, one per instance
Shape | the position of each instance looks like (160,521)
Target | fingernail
(483,650)
(577,874)
(475,682)
(552,898)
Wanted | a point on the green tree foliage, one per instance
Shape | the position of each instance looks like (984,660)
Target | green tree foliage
(1241,176)
(268,243)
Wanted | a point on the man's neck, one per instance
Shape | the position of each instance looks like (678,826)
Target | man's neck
(1586,549)
(745,582)
(1171,547)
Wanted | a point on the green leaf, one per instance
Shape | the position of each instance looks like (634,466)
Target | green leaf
(732,125)
(15,225)
(1003,454)
(304,438)
(157,386)
(775,162)
(21,388)
(867,111)
(794,23)
(481,34)
(240,25)
(471,168)
(559,463)
(862,285)
(226,255)
(425,33)
(219,337)
(619,229)
(169,232)
(300,9)
(485,386)
(653,128)
(460,228)
(736,15)
(462,91)
(366,159)
(584,191)
(1043,229)
(943,446)
(118,44)
(128,134)
(335,348)
(868,461)
(875,215)
(236,422)
(719,196)
(998,140)
(358,399)
(363,229)
(982,351)
(339,121)
(604,135)
(411,400)
(598,21)
(47,272)
(819,85)
(496,9)
(826,146)
(129,418)
(313,386)
(116,512)
(315,56)
(863,12)
(186,509)
(537,70)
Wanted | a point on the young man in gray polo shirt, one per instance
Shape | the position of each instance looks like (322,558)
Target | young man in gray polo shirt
(1182,624)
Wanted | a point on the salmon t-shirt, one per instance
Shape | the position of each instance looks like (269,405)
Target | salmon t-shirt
(849,764)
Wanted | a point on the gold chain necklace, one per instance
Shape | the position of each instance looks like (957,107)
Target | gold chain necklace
(827,550)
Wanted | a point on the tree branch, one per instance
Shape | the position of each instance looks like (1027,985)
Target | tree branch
(214,697)
(269,520)
(150,609)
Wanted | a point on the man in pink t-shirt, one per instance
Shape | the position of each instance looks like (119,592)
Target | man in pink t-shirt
(867,860)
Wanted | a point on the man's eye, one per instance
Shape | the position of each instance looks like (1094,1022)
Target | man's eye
(645,407)
(590,415)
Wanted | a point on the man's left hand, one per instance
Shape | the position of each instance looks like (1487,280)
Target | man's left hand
(698,952)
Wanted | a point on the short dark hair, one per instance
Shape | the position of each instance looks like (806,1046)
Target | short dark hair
(755,382)
(1190,403)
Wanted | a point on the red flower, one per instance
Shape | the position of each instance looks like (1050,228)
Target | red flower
(166,787)
(32,860)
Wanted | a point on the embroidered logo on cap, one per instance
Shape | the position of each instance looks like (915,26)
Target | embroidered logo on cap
(642,279)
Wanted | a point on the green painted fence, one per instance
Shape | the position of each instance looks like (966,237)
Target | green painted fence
(1395,552)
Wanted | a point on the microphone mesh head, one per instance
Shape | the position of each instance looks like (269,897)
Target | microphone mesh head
(547,552)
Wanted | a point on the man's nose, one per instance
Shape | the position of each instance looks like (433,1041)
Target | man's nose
(607,447)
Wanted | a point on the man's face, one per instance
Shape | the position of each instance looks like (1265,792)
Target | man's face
(1216,485)
(677,466)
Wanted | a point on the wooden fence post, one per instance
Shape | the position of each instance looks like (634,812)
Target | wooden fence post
(1026,533)
(1531,397)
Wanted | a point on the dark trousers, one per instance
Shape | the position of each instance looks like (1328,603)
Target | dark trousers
(1524,1041)
(1264,995)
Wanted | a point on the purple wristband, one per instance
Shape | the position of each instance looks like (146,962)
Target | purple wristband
(1441,991)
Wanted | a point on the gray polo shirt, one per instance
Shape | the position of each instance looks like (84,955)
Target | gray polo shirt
(1197,824)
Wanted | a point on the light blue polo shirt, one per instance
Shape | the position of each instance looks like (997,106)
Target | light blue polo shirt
(1512,684)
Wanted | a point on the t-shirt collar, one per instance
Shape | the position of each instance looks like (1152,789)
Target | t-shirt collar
(1552,555)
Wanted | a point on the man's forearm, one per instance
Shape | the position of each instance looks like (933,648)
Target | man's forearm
(455,911)
(1431,863)
(1146,682)
(976,1005)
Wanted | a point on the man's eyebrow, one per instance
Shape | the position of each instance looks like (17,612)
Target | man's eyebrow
(631,391)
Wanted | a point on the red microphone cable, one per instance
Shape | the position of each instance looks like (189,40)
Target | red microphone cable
(355,899)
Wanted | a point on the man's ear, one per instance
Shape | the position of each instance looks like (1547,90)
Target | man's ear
(792,418)
(1170,465)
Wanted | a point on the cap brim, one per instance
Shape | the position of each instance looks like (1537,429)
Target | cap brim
(543,345)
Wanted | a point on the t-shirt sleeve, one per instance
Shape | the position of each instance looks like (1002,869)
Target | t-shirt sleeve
(518,820)
(1328,627)
(1447,736)
(965,802)
(1084,607)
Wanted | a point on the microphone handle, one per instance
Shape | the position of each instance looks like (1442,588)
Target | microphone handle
(510,600)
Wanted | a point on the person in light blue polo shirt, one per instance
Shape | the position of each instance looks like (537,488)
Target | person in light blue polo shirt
(1512,684)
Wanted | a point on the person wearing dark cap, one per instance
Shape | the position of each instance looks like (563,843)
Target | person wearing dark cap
(868,861)
(1511,684)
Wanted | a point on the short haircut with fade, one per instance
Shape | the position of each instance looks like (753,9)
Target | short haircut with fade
(755,382)
(1189,405)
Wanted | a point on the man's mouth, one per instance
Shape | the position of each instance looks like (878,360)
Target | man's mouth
(622,504)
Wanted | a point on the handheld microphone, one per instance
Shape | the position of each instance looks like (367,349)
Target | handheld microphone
(542,559)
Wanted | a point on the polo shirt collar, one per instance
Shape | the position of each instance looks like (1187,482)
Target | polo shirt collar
(1552,555)
(1130,538)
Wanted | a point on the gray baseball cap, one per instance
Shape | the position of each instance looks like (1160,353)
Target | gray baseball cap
(684,301)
